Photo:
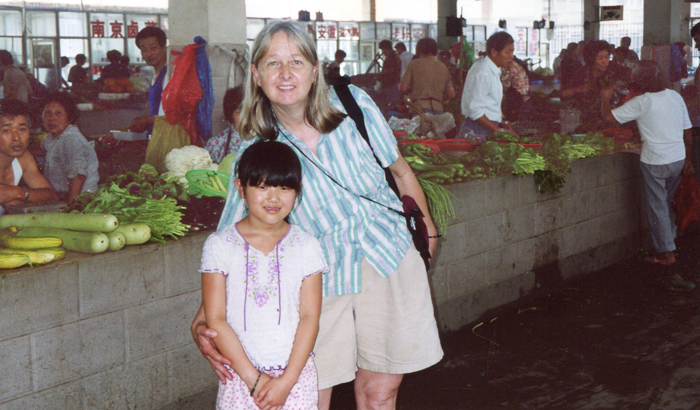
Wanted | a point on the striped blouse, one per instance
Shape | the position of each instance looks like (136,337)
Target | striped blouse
(349,228)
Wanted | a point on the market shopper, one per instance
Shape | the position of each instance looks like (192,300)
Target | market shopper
(388,79)
(570,64)
(427,81)
(516,88)
(228,141)
(16,162)
(405,56)
(664,125)
(588,89)
(115,69)
(377,319)
(483,91)
(71,162)
(332,70)
(78,76)
(14,82)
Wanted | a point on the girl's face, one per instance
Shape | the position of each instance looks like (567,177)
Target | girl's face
(266,204)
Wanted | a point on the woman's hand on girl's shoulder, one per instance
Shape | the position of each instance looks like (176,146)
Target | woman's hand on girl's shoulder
(273,393)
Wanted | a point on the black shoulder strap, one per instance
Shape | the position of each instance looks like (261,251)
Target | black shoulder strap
(355,112)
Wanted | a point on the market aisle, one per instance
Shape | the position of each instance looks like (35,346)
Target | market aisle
(612,340)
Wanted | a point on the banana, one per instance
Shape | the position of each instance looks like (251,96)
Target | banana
(9,239)
(59,253)
(12,260)
(35,257)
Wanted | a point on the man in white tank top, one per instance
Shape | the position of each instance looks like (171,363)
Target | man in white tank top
(16,162)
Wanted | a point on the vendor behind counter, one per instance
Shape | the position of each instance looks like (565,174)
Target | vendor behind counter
(585,90)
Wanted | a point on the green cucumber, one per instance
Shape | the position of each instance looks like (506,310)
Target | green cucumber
(76,222)
(87,242)
(135,234)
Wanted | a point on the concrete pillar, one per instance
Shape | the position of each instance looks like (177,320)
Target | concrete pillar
(665,22)
(591,13)
(223,24)
(445,8)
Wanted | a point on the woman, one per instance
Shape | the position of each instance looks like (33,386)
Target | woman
(368,246)
(586,87)
(71,162)
(664,124)
(228,140)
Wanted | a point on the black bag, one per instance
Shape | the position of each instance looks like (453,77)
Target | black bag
(414,216)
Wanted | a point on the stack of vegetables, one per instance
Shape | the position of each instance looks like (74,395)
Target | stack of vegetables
(139,198)
(42,238)
(508,154)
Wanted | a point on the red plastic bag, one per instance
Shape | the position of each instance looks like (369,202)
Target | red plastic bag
(686,202)
(183,93)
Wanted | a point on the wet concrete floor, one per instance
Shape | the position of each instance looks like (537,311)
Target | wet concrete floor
(613,339)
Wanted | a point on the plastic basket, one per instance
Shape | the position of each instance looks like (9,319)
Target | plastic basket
(200,183)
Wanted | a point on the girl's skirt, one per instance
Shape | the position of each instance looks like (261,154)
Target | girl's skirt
(303,396)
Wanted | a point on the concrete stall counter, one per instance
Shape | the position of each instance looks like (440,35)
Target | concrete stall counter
(111,331)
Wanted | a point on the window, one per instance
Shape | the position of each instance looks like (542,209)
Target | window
(41,24)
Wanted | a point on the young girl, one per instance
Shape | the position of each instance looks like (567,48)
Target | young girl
(261,290)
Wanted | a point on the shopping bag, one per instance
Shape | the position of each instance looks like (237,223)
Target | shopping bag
(183,93)
(165,138)
(686,202)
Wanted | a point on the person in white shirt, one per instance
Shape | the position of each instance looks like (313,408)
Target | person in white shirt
(483,91)
(404,55)
(663,122)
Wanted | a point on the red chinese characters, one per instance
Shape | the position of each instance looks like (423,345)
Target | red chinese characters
(116,29)
(98,28)
(132,30)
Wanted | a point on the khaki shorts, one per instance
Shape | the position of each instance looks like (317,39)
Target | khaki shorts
(388,328)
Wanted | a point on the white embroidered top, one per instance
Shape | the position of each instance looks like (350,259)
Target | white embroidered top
(262,291)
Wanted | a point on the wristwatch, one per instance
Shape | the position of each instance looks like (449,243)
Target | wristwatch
(26,193)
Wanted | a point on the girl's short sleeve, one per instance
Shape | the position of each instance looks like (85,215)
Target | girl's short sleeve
(316,259)
(213,255)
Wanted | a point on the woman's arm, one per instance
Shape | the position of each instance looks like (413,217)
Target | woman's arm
(275,392)
(203,337)
(408,185)
(214,302)
(74,187)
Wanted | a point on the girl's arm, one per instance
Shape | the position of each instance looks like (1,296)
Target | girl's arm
(203,336)
(274,394)
(214,301)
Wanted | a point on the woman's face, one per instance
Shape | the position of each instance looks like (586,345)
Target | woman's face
(283,73)
(54,118)
(601,61)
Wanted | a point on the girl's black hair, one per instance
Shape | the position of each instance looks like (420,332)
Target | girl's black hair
(272,163)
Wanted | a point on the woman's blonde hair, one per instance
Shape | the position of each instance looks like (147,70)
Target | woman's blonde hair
(257,118)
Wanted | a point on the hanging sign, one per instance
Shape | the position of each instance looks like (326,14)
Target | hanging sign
(611,13)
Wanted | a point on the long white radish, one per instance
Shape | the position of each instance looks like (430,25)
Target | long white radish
(75,222)
(87,242)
